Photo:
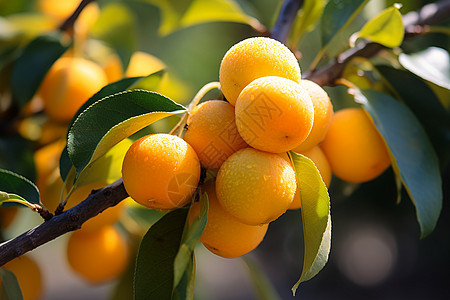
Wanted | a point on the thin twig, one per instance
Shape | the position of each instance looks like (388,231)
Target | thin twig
(286,18)
(67,25)
(427,15)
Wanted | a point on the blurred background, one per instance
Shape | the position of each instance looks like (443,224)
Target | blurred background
(376,251)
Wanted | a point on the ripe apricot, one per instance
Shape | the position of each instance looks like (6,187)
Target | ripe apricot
(274,114)
(224,235)
(354,148)
(321,162)
(212,133)
(143,64)
(256,187)
(253,58)
(68,84)
(113,68)
(323,114)
(99,255)
(46,160)
(161,171)
(28,275)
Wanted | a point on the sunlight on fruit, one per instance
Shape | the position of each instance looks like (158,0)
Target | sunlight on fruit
(274,114)
(161,171)
(98,256)
(253,58)
(28,275)
(212,133)
(255,187)
(354,148)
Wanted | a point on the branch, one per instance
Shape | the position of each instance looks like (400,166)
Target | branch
(69,220)
(427,15)
(67,25)
(286,18)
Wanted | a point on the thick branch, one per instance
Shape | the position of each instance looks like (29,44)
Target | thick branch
(427,15)
(285,20)
(69,220)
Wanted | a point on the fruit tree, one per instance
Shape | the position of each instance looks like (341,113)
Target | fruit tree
(198,149)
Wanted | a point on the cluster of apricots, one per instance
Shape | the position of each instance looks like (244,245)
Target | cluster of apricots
(243,140)
(269,110)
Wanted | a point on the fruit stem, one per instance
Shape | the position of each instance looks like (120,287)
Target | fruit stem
(67,25)
(197,98)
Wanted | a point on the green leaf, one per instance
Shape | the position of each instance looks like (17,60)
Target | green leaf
(18,187)
(32,65)
(336,16)
(116,26)
(16,155)
(171,13)
(9,286)
(108,168)
(185,287)
(110,120)
(190,237)
(432,64)
(307,19)
(316,217)
(154,276)
(65,164)
(204,11)
(425,105)
(264,288)
(386,29)
(414,159)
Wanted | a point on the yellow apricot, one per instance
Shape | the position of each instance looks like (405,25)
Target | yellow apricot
(323,114)
(274,114)
(212,133)
(256,187)
(68,84)
(57,8)
(224,235)
(321,162)
(354,148)
(253,58)
(98,256)
(143,64)
(113,68)
(28,275)
(161,171)
(46,161)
